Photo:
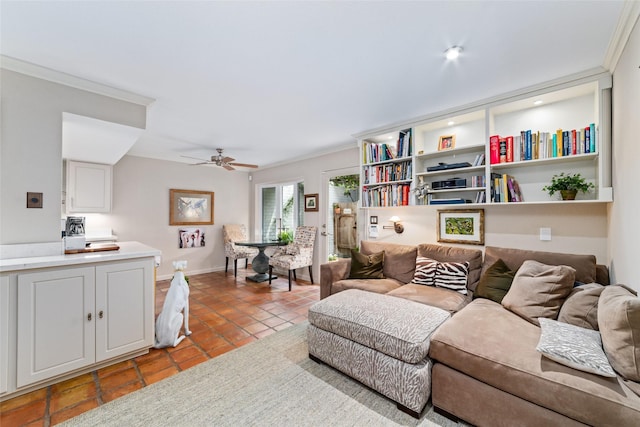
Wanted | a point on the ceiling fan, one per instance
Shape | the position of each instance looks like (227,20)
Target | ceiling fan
(220,160)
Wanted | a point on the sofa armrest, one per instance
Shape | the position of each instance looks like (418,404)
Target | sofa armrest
(332,272)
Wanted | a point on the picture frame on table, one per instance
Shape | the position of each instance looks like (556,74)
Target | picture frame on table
(446,142)
(461,226)
(311,202)
(190,207)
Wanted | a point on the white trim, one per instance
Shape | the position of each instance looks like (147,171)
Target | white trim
(33,70)
(628,19)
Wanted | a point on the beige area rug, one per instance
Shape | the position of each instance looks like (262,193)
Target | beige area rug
(271,382)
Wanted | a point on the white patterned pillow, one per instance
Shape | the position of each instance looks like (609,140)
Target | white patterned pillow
(573,346)
(449,275)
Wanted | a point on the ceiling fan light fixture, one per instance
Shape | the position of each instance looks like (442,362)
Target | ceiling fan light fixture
(453,52)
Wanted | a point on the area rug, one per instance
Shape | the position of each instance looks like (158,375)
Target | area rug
(270,382)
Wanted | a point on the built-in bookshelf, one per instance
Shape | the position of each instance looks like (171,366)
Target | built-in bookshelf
(498,152)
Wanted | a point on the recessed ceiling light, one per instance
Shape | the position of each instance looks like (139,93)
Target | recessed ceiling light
(538,102)
(451,123)
(453,52)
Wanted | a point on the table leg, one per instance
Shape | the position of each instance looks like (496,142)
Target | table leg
(260,265)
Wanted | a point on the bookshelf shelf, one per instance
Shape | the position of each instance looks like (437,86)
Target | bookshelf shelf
(581,104)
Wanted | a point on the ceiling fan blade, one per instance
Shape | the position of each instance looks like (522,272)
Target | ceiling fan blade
(227,159)
(227,167)
(201,163)
(244,165)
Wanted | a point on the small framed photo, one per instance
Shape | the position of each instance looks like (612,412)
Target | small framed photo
(311,202)
(447,142)
(461,226)
(190,207)
(373,219)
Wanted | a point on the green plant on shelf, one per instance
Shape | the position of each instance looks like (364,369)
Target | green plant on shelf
(285,236)
(568,185)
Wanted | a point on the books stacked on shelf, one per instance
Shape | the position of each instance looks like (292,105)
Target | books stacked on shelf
(481,197)
(400,171)
(374,152)
(479,160)
(478,181)
(505,189)
(386,195)
(533,145)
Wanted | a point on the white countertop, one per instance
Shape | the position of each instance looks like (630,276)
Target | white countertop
(128,250)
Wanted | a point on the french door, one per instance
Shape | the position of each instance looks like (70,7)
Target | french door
(281,208)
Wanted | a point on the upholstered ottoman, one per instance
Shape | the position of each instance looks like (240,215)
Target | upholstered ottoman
(379,340)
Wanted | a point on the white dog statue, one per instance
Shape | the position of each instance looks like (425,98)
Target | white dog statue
(170,319)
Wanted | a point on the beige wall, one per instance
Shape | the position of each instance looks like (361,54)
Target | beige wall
(624,231)
(31,150)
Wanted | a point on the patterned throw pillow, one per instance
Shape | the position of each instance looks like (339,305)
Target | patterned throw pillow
(449,275)
(573,346)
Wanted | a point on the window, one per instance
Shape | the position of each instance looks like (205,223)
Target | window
(282,208)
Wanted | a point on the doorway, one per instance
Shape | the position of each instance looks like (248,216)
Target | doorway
(340,225)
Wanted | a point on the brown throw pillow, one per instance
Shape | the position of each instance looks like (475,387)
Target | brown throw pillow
(538,290)
(495,282)
(619,322)
(581,306)
(366,266)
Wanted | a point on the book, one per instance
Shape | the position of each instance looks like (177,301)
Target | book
(558,143)
(494,149)
(592,142)
(510,149)
(503,150)
(574,142)
(527,145)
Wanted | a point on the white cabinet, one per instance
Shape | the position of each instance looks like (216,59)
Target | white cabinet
(88,187)
(71,318)
(563,110)
(4,333)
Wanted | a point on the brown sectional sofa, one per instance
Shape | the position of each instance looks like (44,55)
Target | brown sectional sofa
(487,370)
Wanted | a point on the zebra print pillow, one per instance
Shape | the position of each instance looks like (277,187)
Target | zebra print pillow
(449,275)
(573,346)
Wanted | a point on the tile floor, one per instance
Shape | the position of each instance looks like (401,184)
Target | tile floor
(225,313)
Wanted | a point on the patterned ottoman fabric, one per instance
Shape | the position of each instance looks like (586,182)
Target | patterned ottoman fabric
(394,326)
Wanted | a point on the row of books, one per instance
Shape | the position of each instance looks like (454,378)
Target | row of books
(505,189)
(478,181)
(388,172)
(479,160)
(386,195)
(380,152)
(542,145)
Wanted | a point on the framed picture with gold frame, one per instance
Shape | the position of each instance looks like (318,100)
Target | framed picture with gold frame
(190,207)
(461,226)
(446,142)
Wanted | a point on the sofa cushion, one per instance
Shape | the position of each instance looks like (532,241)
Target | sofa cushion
(619,322)
(426,269)
(437,297)
(585,265)
(379,286)
(489,343)
(399,260)
(455,254)
(394,326)
(574,346)
(538,290)
(495,282)
(581,306)
(366,266)
(449,275)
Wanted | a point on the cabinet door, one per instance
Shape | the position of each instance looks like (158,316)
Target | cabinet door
(4,333)
(56,323)
(124,307)
(88,187)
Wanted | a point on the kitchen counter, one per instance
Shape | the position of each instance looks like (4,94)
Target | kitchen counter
(128,250)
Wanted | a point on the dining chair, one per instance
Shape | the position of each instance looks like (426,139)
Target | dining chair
(233,233)
(297,254)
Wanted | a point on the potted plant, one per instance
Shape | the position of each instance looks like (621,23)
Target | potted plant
(336,208)
(568,185)
(285,236)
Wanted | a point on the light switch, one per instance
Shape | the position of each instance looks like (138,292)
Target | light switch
(545,233)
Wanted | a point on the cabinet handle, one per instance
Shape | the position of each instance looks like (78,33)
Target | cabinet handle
(100,314)
(89,317)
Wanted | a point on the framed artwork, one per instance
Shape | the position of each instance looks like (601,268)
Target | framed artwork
(190,237)
(190,207)
(311,202)
(447,142)
(461,226)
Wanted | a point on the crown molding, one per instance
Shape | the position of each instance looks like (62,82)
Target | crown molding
(40,72)
(628,19)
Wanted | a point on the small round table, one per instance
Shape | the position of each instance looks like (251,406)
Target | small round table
(260,263)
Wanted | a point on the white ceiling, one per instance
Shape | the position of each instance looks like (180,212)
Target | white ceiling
(272,81)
